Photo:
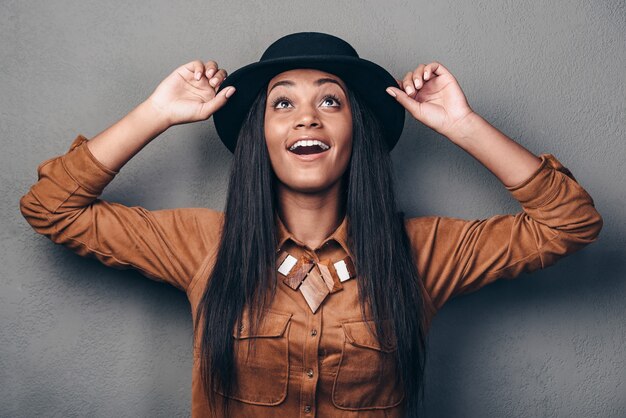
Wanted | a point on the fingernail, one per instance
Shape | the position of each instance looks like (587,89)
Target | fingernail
(230,92)
(417,82)
(210,72)
(391,92)
(213,81)
(198,75)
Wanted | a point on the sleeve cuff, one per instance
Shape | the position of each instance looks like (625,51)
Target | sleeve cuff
(85,169)
(543,184)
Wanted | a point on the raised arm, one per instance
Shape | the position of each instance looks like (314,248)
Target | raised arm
(187,95)
(167,245)
(457,256)
(434,97)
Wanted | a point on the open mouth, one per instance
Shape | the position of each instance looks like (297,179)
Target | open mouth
(309,146)
(307,150)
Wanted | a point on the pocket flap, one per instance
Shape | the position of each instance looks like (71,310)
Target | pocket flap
(273,324)
(358,334)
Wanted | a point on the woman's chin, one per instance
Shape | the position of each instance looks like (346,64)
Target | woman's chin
(308,186)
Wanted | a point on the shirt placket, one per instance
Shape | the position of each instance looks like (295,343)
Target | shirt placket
(311,358)
(311,346)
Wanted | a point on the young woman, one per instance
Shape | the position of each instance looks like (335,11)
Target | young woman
(311,294)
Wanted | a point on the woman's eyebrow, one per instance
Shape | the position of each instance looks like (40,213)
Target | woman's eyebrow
(317,82)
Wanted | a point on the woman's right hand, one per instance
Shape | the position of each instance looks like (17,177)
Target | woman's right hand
(189,93)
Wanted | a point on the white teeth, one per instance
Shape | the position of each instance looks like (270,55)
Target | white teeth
(308,143)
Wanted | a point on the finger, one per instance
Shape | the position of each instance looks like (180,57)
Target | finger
(434,69)
(413,106)
(217,102)
(417,76)
(210,68)
(217,79)
(196,68)
(407,84)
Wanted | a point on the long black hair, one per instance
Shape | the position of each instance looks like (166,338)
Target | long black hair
(245,261)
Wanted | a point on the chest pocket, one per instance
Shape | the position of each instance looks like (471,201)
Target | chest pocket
(262,370)
(366,377)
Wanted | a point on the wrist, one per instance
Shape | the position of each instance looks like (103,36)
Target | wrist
(466,128)
(152,115)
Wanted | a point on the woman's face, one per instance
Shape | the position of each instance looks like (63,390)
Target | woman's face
(308,104)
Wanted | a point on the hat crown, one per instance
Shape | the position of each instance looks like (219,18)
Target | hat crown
(308,44)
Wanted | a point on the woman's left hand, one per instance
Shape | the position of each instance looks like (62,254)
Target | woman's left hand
(432,95)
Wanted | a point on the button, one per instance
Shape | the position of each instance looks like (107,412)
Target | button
(309,372)
(313,332)
(307,409)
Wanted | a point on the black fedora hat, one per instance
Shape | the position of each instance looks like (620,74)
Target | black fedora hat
(310,50)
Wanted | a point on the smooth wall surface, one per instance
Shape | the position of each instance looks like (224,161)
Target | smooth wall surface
(81,339)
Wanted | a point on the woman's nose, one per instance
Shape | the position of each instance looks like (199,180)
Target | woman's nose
(307,117)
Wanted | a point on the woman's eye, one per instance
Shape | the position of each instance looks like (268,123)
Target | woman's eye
(279,100)
(329,98)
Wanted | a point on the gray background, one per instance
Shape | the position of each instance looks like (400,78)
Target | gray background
(80,339)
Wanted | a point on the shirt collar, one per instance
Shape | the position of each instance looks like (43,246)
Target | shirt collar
(340,235)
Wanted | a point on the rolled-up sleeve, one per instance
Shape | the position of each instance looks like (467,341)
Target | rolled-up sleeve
(456,256)
(165,245)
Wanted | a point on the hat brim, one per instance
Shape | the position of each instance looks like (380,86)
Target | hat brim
(367,78)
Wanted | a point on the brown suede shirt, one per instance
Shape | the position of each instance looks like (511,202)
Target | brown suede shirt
(306,364)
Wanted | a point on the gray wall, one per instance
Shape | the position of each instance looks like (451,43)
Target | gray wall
(80,339)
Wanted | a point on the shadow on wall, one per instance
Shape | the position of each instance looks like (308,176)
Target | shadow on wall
(549,339)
